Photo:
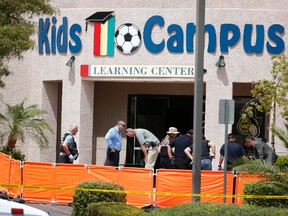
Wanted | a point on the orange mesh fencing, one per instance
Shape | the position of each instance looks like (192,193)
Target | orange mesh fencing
(68,175)
(241,179)
(63,176)
(212,182)
(139,181)
(173,187)
(102,173)
(173,181)
(15,178)
(38,174)
(4,171)
(180,182)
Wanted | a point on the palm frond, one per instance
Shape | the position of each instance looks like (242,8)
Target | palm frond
(281,134)
(20,122)
(263,170)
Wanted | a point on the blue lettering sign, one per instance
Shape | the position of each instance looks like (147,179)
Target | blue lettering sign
(59,37)
(43,28)
(225,42)
(272,34)
(53,35)
(53,38)
(175,42)
(190,32)
(150,45)
(212,38)
(75,28)
(62,36)
(247,37)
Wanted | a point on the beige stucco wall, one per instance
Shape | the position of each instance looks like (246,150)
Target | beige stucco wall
(78,94)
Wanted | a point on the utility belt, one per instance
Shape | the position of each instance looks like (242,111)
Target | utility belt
(73,151)
(152,144)
(179,158)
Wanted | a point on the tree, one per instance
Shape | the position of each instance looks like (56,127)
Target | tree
(16,28)
(19,121)
(272,94)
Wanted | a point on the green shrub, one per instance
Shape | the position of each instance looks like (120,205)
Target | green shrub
(113,209)
(83,197)
(266,188)
(214,209)
(282,162)
(15,154)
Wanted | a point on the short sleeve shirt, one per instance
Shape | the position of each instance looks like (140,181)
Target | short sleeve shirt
(181,143)
(234,151)
(145,137)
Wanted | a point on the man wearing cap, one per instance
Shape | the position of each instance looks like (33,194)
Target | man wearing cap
(163,148)
(148,142)
(180,144)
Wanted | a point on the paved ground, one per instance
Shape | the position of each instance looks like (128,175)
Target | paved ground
(53,209)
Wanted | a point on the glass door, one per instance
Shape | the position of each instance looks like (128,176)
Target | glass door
(157,113)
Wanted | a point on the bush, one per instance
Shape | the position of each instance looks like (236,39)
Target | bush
(266,188)
(15,154)
(112,209)
(282,162)
(82,198)
(215,209)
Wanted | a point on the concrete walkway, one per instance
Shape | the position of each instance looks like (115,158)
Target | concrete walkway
(53,209)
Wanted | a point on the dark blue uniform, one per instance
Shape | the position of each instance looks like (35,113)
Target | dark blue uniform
(181,143)
(234,152)
(206,163)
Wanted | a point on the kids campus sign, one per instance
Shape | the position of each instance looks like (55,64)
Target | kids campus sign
(60,36)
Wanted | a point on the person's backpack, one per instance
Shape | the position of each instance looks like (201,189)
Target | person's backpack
(164,151)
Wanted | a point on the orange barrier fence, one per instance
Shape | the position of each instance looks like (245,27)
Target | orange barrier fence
(38,174)
(59,175)
(51,182)
(180,182)
(102,173)
(241,179)
(140,181)
(4,170)
(10,173)
(212,182)
(68,175)
(50,175)
(15,178)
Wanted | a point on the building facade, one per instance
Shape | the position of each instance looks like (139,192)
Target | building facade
(146,78)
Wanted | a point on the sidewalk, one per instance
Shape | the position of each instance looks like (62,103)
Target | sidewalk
(53,209)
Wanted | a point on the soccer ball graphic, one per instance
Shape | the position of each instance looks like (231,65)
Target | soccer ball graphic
(127,38)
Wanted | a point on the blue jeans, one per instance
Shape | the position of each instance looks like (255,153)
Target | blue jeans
(206,164)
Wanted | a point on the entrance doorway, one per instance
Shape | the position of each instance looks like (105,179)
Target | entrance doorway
(157,113)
